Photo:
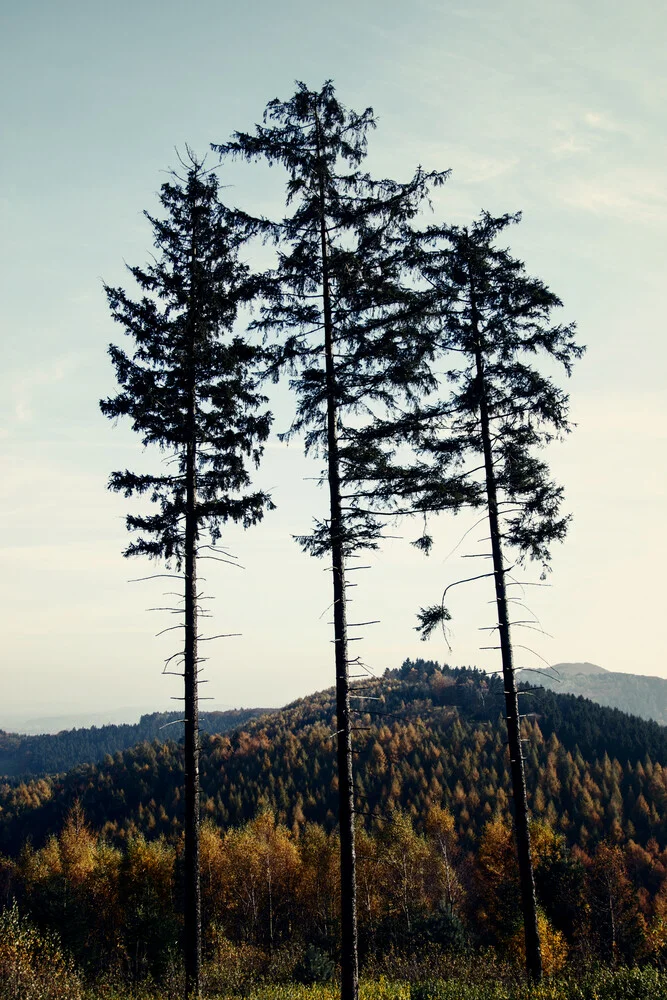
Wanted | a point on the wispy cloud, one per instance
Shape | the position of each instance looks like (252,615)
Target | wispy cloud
(26,387)
(584,132)
(633,195)
(474,169)
(570,144)
(468,165)
(603,122)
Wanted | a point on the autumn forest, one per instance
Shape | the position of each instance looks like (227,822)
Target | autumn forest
(97,853)
(412,833)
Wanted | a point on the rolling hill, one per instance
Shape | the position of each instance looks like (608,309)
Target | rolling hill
(431,735)
(24,756)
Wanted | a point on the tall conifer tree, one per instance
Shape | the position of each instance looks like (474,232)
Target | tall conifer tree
(494,319)
(347,326)
(188,387)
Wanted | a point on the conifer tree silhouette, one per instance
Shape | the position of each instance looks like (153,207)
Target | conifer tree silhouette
(494,319)
(188,387)
(347,331)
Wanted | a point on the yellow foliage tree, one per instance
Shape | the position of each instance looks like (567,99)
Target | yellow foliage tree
(441,834)
(258,873)
(552,943)
(32,965)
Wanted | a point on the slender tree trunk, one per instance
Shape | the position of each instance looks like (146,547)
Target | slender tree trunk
(448,875)
(528,900)
(192,909)
(268,879)
(348,880)
(192,878)
(612,923)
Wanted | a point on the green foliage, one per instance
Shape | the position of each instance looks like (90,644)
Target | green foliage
(434,850)
(316,966)
(34,967)
(487,320)
(603,984)
(150,928)
(272,908)
(430,619)
(599,984)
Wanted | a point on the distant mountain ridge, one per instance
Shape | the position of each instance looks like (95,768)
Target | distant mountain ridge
(53,753)
(586,668)
(34,755)
(637,694)
(43,720)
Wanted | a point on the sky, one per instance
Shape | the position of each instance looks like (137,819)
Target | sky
(555,109)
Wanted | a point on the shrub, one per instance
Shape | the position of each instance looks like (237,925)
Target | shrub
(626,984)
(232,968)
(315,966)
(32,966)
(602,984)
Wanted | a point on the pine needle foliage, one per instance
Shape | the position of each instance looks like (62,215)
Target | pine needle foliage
(348,332)
(189,387)
(493,319)
(188,370)
(347,235)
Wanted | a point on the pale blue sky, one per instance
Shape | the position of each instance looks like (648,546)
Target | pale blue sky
(557,109)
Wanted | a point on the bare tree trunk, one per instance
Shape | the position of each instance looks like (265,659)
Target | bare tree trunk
(192,909)
(348,880)
(268,880)
(612,923)
(528,900)
(448,875)
(192,878)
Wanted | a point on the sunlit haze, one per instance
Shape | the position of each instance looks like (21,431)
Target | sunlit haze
(555,109)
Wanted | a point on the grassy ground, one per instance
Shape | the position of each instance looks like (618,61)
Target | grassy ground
(604,984)
(33,967)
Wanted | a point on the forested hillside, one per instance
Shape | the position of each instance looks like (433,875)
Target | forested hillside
(433,737)
(98,852)
(53,753)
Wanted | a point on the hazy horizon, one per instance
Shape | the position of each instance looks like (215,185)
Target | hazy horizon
(556,110)
(46,720)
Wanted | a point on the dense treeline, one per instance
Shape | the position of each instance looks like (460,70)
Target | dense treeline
(52,753)
(438,741)
(269,893)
